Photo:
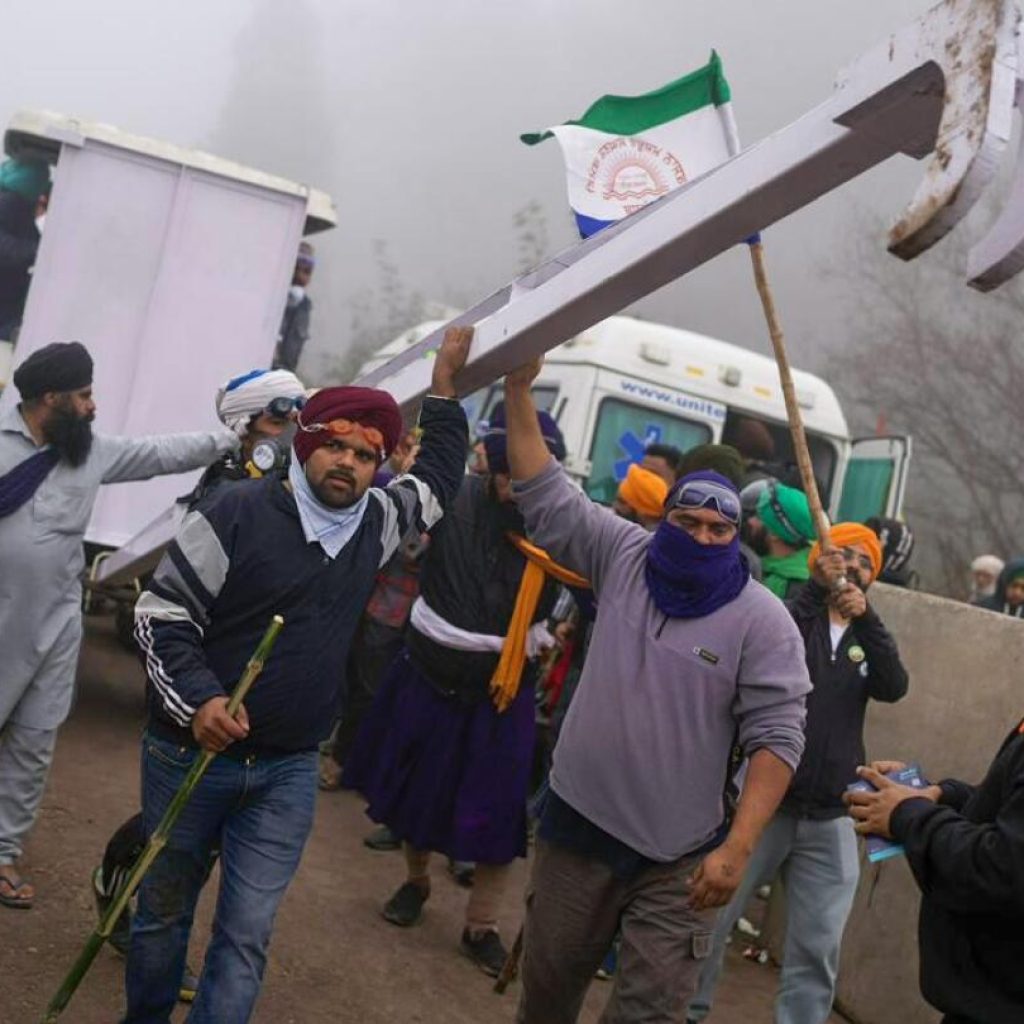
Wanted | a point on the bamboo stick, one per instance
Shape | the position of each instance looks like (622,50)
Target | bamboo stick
(158,840)
(796,422)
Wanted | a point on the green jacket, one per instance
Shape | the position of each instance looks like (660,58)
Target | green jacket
(784,575)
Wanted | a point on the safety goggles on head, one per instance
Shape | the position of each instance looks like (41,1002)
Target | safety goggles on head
(706,493)
(283,407)
(347,428)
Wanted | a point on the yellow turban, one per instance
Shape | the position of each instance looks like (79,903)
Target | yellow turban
(846,535)
(644,492)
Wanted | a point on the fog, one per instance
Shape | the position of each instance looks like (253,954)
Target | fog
(408,114)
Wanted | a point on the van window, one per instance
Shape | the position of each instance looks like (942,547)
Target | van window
(480,404)
(622,433)
(769,446)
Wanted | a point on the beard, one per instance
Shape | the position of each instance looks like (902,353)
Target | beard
(70,435)
(331,498)
(854,576)
(756,537)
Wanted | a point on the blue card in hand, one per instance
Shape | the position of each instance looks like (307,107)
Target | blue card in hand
(878,847)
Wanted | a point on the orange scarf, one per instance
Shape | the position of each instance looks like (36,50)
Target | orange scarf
(539,565)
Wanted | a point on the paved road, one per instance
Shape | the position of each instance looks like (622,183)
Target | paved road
(333,960)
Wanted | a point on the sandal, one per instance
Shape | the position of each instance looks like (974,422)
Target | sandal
(10,887)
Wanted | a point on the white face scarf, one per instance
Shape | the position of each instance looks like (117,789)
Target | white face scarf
(331,528)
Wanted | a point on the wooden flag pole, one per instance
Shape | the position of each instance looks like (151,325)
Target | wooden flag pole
(796,421)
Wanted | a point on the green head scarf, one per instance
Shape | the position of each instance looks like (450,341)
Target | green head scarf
(28,178)
(785,513)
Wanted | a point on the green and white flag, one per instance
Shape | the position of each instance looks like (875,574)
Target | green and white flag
(627,151)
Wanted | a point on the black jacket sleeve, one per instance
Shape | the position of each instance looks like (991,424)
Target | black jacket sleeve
(887,678)
(418,499)
(809,602)
(955,793)
(967,867)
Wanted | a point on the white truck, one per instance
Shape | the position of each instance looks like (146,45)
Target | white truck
(172,266)
(625,383)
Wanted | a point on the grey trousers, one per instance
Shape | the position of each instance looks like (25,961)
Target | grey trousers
(25,757)
(819,867)
(575,905)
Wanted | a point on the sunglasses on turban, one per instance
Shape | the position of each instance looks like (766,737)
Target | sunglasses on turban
(706,493)
(283,407)
(347,428)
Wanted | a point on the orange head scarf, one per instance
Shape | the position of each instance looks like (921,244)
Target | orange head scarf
(644,492)
(846,534)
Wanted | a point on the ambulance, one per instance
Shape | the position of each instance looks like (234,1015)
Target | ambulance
(626,383)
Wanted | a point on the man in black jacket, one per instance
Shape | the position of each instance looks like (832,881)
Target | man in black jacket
(307,547)
(441,759)
(852,659)
(965,845)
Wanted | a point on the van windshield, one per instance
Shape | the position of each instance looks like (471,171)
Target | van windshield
(768,446)
(622,433)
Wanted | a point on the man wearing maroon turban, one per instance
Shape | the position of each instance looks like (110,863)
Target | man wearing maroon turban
(308,547)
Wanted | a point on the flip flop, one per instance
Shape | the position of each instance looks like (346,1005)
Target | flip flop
(15,884)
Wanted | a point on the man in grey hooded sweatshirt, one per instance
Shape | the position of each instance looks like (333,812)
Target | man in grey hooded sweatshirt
(692,665)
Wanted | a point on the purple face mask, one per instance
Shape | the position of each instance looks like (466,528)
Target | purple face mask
(687,579)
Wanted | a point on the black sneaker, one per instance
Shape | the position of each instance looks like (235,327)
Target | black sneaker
(486,951)
(189,986)
(120,935)
(405,908)
(382,839)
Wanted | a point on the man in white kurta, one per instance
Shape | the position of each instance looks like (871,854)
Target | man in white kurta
(41,563)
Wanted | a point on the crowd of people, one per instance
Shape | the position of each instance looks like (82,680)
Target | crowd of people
(665,698)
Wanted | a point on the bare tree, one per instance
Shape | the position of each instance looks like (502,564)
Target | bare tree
(945,364)
(377,316)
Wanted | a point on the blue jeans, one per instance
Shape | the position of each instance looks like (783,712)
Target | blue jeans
(258,812)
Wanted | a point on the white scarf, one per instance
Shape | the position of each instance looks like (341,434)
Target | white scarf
(331,528)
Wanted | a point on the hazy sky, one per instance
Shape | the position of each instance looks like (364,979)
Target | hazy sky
(408,113)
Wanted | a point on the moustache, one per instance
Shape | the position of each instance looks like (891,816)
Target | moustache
(341,474)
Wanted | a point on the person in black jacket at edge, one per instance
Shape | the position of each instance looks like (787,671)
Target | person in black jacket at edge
(307,546)
(965,845)
(810,842)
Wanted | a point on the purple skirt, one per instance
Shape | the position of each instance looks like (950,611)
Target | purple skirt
(443,775)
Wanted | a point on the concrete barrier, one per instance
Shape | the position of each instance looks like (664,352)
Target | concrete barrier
(966,691)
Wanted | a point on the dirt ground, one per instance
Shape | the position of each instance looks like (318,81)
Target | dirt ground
(333,959)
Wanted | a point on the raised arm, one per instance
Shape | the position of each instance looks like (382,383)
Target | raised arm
(417,499)
(576,532)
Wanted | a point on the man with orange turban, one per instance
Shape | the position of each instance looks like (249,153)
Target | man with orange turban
(852,659)
(641,497)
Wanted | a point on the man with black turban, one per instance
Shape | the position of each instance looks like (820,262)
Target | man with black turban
(51,466)
(306,545)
